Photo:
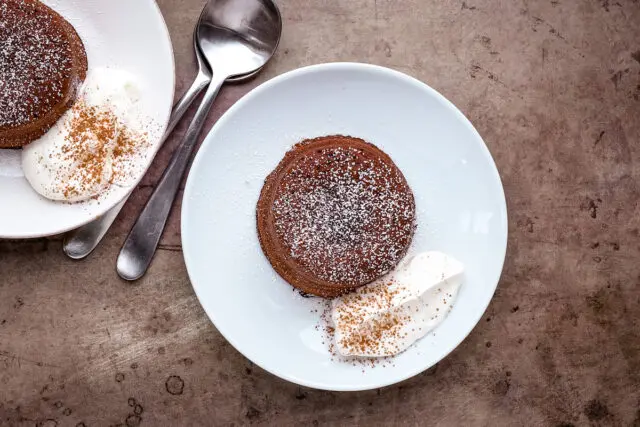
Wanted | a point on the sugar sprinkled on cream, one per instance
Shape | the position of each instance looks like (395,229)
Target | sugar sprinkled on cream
(93,145)
(387,316)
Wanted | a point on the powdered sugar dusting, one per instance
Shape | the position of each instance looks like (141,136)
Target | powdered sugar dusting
(35,62)
(345,216)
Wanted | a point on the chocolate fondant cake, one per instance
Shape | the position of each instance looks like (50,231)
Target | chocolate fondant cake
(42,64)
(335,214)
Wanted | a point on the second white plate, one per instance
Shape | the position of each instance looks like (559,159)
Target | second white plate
(460,204)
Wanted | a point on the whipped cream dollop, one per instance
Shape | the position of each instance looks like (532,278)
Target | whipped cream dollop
(93,144)
(387,316)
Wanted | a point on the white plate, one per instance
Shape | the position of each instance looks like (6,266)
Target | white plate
(460,204)
(125,34)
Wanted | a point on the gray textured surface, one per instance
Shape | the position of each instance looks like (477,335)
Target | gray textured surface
(552,86)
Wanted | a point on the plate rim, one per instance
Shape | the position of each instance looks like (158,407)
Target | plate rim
(104,208)
(352,66)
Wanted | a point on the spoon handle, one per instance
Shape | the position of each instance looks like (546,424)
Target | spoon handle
(142,241)
(82,241)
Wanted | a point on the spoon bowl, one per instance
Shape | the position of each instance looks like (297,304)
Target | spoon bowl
(246,33)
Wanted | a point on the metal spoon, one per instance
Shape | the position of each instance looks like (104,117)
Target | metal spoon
(236,37)
(80,242)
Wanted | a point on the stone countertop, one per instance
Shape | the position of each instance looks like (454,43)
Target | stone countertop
(553,86)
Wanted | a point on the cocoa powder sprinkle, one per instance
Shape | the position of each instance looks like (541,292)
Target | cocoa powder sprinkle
(97,149)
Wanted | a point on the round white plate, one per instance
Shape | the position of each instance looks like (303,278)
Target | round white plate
(124,34)
(460,204)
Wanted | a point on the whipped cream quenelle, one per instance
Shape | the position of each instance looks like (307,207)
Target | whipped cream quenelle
(387,316)
(93,145)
